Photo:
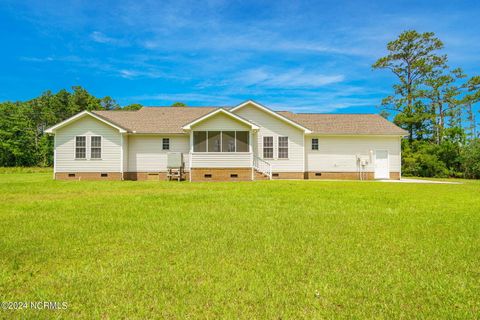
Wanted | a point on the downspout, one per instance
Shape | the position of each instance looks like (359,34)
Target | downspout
(400,153)
(121,156)
(54,156)
(190,157)
(304,155)
(250,140)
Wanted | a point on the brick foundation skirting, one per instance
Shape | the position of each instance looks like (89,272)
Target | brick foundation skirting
(141,176)
(347,175)
(88,176)
(154,176)
(221,174)
(288,175)
(216,174)
(394,175)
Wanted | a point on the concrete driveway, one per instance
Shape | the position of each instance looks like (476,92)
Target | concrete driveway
(407,180)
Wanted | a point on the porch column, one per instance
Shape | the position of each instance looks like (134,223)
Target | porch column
(190,155)
(191,141)
(250,141)
(250,147)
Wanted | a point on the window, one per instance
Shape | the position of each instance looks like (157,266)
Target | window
(282,147)
(80,147)
(199,141)
(267,147)
(95,147)
(314,144)
(221,141)
(166,144)
(242,141)
(228,141)
(214,142)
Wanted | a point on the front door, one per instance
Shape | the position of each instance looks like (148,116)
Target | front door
(381,165)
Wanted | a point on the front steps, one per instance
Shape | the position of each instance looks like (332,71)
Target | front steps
(259,176)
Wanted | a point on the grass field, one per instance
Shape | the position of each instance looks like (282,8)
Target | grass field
(253,250)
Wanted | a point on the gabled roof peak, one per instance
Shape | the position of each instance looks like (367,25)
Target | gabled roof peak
(271,112)
(189,125)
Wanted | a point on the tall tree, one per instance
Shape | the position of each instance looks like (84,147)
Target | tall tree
(411,58)
(445,102)
(471,98)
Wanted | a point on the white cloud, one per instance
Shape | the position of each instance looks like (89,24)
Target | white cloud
(290,78)
(142,73)
(300,101)
(100,37)
(199,99)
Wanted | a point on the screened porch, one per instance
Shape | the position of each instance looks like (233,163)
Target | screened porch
(221,149)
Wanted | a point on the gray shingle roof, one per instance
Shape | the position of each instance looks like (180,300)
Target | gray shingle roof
(171,120)
(345,124)
(155,119)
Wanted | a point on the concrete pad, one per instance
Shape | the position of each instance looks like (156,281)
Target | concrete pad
(407,180)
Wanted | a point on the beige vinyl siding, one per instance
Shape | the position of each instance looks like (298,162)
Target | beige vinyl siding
(87,126)
(338,154)
(125,152)
(272,126)
(219,122)
(221,160)
(145,152)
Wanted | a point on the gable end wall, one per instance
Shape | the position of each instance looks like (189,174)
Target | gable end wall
(87,126)
(272,126)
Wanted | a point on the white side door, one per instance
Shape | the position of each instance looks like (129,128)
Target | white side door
(381,165)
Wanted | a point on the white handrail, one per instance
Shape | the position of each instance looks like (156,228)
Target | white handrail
(262,166)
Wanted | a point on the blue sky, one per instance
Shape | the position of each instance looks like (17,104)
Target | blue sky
(305,56)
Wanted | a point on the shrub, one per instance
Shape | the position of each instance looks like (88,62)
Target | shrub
(470,158)
(421,159)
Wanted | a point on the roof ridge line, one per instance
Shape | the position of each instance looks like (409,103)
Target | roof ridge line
(334,114)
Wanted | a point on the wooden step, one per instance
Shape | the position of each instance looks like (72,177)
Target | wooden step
(260,176)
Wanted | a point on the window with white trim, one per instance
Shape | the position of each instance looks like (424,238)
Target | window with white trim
(95,147)
(282,147)
(166,144)
(314,144)
(80,147)
(267,147)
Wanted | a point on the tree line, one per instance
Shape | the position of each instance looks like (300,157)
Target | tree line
(22,124)
(435,104)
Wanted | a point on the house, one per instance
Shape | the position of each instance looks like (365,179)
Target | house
(245,142)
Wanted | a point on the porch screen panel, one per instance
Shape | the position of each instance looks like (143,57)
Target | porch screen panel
(242,141)
(228,141)
(200,141)
(214,141)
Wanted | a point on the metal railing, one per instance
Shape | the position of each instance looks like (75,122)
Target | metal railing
(262,166)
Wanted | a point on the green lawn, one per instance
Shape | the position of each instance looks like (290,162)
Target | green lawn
(252,250)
